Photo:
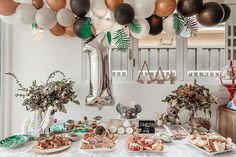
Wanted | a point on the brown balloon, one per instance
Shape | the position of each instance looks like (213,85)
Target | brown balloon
(7,7)
(38,4)
(70,31)
(58,30)
(155,23)
(56,5)
(165,8)
(113,4)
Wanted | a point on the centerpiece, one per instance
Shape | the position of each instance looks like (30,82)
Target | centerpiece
(38,98)
(192,97)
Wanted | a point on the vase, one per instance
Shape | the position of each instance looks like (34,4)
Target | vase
(100,78)
(39,115)
(191,116)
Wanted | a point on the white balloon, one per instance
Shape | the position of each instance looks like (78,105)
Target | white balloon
(10,19)
(46,18)
(103,24)
(144,8)
(130,2)
(25,12)
(98,8)
(145,29)
(65,17)
(168,25)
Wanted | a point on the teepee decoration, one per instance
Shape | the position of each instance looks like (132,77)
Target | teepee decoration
(160,77)
(141,74)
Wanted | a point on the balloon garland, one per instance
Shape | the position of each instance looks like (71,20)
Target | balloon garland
(119,19)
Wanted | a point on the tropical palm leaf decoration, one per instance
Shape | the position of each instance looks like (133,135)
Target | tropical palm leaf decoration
(109,37)
(191,26)
(178,23)
(135,27)
(122,40)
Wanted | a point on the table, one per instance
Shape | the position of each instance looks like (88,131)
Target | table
(178,148)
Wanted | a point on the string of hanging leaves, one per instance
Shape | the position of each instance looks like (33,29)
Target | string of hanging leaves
(135,27)
(189,24)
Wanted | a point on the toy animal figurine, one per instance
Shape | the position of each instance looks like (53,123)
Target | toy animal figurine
(48,120)
(128,111)
(172,116)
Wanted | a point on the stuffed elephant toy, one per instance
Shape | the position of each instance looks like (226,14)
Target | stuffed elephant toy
(128,112)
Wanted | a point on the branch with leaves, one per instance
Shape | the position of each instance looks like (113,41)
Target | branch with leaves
(122,40)
(53,93)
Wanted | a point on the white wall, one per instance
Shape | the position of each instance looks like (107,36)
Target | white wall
(37,59)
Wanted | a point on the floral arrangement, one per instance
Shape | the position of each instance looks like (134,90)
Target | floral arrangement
(191,97)
(51,93)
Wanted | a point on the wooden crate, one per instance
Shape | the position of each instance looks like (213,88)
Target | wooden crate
(227,123)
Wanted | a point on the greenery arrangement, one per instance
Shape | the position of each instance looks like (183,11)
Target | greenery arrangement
(51,93)
(188,24)
(191,97)
(122,40)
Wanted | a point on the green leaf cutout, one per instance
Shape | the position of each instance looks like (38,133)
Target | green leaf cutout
(85,31)
(178,23)
(191,26)
(122,40)
(109,37)
(135,27)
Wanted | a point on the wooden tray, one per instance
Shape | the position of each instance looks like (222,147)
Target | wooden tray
(51,151)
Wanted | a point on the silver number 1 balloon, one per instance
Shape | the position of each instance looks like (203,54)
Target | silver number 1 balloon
(100,79)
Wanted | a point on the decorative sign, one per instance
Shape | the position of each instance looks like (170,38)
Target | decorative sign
(147,127)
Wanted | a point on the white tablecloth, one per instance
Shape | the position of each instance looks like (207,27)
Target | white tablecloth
(178,148)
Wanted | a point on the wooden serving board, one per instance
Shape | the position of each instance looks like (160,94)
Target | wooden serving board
(51,151)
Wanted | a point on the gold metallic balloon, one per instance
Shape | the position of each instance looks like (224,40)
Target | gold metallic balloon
(56,4)
(7,7)
(38,4)
(58,30)
(93,30)
(70,31)
(165,8)
(113,4)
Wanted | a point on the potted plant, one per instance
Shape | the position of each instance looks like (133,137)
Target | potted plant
(38,98)
(191,97)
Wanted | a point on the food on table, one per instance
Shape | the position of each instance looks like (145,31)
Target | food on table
(100,130)
(113,129)
(165,137)
(143,142)
(177,131)
(15,141)
(200,124)
(99,140)
(84,125)
(53,142)
(74,137)
(210,142)
(121,130)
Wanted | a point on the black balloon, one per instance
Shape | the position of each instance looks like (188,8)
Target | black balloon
(80,7)
(155,23)
(189,7)
(79,25)
(211,14)
(227,12)
(124,14)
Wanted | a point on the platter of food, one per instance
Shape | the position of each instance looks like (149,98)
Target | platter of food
(177,131)
(210,143)
(145,143)
(55,144)
(100,141)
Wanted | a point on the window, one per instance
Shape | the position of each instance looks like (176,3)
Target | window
(159,52)
(206,52)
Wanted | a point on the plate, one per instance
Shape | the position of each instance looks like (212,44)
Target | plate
(51,151)
(15,141)
(203,150)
